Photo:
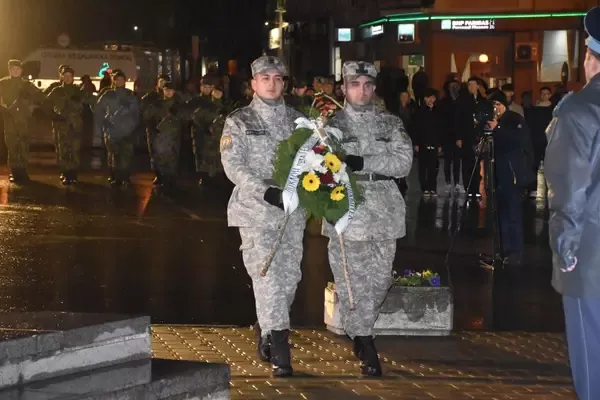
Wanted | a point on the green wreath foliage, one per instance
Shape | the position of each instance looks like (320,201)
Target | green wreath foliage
(317,204)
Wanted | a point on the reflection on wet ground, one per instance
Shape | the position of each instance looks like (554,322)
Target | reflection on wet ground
(93,249)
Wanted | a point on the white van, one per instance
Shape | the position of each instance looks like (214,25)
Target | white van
(41,66)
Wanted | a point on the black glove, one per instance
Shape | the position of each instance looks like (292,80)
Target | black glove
(356,163)
(273,197)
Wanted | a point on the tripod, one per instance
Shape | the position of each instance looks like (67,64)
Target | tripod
(484,151)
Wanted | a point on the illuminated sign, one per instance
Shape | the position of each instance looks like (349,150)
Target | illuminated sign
(376,30)
(344,35)
(105,68)
(406,33)
(371,31)
(468,24)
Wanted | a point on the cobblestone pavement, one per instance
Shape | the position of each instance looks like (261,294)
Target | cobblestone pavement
(466,365)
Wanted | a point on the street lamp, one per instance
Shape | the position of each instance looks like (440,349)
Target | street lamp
(267,23)
(483,58)
(135,28)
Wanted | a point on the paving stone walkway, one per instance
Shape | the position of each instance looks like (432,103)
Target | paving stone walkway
(466,365)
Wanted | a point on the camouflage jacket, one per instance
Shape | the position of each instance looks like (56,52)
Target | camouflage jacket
(381,139)
(250,138)
(117,113)
(51,87)
(164,115)
(68,102)
(17,97)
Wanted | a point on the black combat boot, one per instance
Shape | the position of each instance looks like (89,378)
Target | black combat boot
(365,351)
(280,354)
(263,344)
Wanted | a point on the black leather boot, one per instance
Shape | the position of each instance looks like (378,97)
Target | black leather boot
(280,354)
(364,349)
(263,344)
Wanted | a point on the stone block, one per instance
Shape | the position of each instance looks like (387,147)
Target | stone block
(406,311)
(155,379)
(41,345)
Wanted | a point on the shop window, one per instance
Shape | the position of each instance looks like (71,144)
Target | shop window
(558,48)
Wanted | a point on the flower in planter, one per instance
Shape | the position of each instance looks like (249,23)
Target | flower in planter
(417,279)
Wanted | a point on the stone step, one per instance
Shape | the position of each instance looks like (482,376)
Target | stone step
(155,379)
(40,345)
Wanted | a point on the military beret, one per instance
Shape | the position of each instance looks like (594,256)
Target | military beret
(359,68)
(117,73)
(210,80)
(268,63)
(66,69)
(508,88)
(170,85)
(300,83)
(591,22)
(15,63)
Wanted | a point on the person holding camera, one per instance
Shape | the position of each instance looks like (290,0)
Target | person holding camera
(513,160)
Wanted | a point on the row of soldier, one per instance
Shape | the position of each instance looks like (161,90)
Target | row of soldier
(165,114)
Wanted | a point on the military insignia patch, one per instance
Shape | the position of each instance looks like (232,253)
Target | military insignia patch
(225,143)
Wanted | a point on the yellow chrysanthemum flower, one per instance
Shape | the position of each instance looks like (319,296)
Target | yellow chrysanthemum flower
(332,162)
(337,194)
(311,182)
(427,274)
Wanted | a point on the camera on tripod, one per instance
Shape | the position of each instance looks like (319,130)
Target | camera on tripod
(484,112)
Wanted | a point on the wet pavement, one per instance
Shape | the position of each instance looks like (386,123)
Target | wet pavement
(93,249)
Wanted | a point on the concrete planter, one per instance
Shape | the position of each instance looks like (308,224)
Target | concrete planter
(406,311)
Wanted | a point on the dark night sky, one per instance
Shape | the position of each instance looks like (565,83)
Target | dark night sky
(231,26)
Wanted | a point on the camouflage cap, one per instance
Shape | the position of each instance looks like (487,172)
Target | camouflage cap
(359,68)
(266,63)
(15,63)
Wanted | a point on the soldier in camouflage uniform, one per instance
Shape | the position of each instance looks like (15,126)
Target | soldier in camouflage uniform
(378,150)
(68,101)
(151,101)
(210,120)
(16,98)
(248,145)
(204,112)
(166,141)
(116,116)
(53,85)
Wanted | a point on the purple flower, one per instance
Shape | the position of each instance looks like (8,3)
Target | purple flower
(435,281)
(408,272)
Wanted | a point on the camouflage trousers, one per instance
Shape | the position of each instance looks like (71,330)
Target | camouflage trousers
(150,136)
(68,146)
(210,158)
(165,152)
(120,153)
(198,136)
(370,276)
(16,137)
(275,292)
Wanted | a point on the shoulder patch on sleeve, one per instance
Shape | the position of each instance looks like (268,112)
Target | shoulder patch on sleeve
(226,142)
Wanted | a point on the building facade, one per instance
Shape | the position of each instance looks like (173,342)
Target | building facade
(527,43)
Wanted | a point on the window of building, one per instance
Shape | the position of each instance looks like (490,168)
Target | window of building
(560,51)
